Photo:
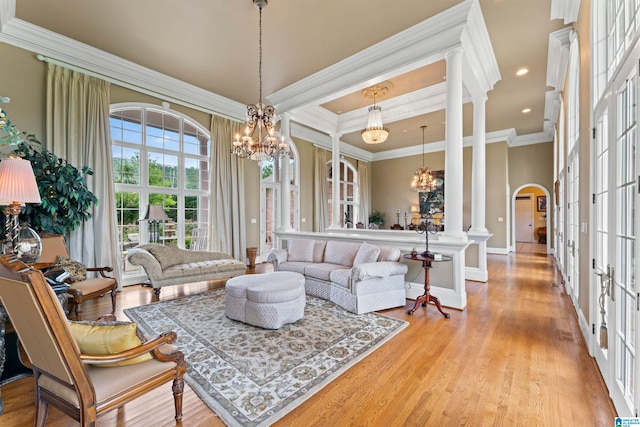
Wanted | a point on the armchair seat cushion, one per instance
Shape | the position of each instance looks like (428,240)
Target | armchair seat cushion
(93,284)
(109,383)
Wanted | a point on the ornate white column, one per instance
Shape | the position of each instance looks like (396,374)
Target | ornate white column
(335,183)
(479,168)
(285,180)
(453,149)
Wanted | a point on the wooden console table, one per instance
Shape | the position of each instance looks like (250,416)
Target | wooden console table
(427,297)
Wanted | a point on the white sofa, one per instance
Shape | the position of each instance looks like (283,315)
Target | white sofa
(359,277)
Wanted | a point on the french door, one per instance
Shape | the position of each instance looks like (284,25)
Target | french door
(614,242)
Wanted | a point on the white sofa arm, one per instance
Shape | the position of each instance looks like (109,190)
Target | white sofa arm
(378,269)
(276,256)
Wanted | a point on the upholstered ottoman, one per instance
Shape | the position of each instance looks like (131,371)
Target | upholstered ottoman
(267,300)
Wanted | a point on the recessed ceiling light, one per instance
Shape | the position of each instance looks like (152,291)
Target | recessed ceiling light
(522,71)
(526,110)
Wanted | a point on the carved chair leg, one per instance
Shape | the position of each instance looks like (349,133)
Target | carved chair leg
(78,311)
(113,301)
(42,408)
(178,387)
(156,291)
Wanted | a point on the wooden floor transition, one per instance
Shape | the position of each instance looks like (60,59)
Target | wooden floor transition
(513,357)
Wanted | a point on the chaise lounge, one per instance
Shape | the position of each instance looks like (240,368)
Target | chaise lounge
(170,265)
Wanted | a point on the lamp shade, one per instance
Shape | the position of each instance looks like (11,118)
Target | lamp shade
(155,213)
(17,182)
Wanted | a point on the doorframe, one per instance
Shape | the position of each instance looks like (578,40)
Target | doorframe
(512,248)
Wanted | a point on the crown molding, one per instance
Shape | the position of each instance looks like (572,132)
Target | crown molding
(506,135)
(534,138)
(558,57)
(73,54)
(566,10)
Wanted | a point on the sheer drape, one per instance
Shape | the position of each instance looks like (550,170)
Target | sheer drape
(321,193)
(364,189)
(227,227)
(77,126)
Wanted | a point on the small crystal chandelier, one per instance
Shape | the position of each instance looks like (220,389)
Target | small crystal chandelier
(375,133)
(423,180)
(264,146)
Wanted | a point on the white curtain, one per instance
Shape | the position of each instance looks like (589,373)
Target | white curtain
(321,193)
(364,189)
(77,128)
(227,227)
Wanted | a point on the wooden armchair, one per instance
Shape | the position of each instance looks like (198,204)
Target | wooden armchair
(80,291)
(66,378)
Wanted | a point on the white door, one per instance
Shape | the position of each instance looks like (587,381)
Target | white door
(615,208)
(524,219)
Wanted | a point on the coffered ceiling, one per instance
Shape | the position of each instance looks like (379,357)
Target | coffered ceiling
(205,53)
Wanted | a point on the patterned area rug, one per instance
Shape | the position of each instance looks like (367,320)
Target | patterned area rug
(251,376)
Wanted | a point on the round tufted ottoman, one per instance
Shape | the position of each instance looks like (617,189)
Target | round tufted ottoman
(267,300)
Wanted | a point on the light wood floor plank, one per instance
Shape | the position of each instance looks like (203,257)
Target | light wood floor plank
(515,356)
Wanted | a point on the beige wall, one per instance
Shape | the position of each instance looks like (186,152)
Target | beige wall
(22,78)
(391,180)
(305,152)
(497,195)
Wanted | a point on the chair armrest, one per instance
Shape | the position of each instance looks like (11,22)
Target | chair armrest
(101,270)
(149,346)
(277,256)
(378,269)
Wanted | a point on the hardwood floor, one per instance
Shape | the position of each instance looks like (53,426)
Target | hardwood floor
(514,357)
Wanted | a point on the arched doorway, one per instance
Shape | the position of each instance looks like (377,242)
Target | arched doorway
(531,219)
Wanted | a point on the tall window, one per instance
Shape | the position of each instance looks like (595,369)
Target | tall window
(348,197)
(270,179)
(160,157)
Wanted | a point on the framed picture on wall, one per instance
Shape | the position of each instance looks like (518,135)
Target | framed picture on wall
(432,202)
(542,203)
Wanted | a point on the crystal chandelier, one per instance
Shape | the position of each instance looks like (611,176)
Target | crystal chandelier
(260,118)
(423,180)
(375,133)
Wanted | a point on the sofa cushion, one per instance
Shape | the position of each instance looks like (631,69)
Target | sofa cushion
(294,266)
(342,253)
(318,250)
(301,250)
(167,256)
(340,277)
(388,253)
(322,271)
(366,253)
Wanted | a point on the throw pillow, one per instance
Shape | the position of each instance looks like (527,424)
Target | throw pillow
(77,271)
(301,250)
(388,253)
(367,253)
(167,256)
(108,338)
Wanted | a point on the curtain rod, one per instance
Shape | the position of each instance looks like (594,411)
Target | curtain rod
(133,87)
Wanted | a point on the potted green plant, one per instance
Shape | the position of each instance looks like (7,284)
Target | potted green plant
(376,217)
(66,199)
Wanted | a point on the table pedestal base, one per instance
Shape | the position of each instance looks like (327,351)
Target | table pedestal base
(425,299)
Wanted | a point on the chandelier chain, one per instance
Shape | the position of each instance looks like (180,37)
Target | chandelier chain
(260,55)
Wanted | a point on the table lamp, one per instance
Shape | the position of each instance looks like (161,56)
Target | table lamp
(17,187)
(154,214)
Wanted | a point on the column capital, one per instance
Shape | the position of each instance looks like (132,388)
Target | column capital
(455,50)
(335,135)
(479,98)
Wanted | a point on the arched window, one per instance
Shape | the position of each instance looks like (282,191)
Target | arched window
(348,197)
(160,157)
